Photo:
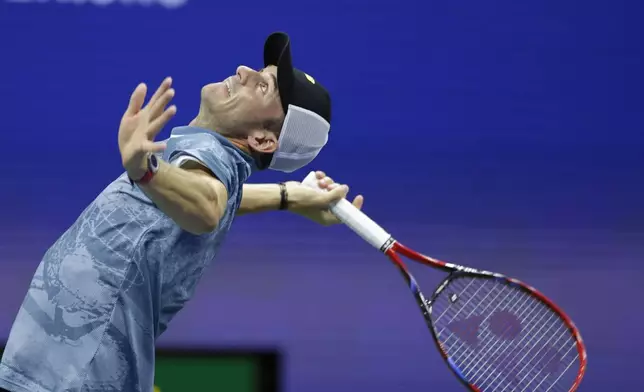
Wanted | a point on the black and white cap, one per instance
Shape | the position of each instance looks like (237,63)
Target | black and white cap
(307,106)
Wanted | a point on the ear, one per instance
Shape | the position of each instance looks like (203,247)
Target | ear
(262,141)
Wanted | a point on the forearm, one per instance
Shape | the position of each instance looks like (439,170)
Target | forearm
(185,197)
(259,198)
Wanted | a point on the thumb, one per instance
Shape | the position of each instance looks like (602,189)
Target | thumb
(337,193)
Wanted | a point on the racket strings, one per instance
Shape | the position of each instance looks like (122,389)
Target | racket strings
(490,348)
(489,370)
(530,367)
(487,339)
(502,338)
(485,351)
(482,370)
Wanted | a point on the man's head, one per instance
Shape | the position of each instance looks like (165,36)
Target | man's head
(246,106)
(282,114)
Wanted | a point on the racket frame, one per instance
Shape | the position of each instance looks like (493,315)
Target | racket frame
(393,249)
(380,239)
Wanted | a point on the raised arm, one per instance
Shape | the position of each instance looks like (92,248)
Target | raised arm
(194,199)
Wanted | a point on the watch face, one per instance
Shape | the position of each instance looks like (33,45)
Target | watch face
(154,163)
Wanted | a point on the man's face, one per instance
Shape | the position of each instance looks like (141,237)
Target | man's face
(244,102)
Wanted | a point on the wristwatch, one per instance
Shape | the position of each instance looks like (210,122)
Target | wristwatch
(153,167)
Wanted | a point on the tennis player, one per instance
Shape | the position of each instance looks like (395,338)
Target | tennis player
(111,284)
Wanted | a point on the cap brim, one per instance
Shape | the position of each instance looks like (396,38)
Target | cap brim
(277,52)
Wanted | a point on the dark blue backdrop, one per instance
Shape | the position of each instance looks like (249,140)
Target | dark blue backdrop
(499,134)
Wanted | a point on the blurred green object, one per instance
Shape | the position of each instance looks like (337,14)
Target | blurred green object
(205,374)
(216,370)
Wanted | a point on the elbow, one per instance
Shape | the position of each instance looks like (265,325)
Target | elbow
(207,222)
(208,211)
(211,221)
(200,228)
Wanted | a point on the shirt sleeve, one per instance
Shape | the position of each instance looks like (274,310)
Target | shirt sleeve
(205,149)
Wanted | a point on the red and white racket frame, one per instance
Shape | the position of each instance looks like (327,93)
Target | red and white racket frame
(380,239)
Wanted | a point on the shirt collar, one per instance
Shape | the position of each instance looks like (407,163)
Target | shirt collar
(191,130)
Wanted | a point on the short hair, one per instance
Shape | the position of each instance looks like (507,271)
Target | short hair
(274,125)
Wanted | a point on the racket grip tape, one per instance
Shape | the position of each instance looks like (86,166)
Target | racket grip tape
(355,219)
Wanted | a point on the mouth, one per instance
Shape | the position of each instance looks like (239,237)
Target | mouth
(228,87)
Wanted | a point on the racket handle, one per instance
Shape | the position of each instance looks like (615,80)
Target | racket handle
(355,219)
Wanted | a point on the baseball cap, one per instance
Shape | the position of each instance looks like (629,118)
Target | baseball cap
(307,108)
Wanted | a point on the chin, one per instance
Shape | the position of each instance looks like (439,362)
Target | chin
(215,93)
(208,90)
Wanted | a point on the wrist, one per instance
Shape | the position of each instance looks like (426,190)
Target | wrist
(136,175)
(145,170)
(296,199)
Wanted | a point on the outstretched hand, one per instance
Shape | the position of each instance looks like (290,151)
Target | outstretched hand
(140,125)
(313,204)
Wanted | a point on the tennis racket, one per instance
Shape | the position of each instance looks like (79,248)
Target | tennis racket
(497,334)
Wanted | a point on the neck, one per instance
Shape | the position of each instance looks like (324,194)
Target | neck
(200,123)
(239,143)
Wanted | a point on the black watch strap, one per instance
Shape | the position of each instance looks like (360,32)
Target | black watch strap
(283,196)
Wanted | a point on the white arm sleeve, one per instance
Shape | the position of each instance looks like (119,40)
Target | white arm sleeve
(182,160)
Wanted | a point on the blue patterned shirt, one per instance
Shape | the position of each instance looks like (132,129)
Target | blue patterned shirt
(109,286)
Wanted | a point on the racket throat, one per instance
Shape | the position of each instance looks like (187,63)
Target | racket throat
(388,245)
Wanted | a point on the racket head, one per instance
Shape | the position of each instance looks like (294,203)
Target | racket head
(498,333)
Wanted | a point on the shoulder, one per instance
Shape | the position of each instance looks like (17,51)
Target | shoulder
(203,151)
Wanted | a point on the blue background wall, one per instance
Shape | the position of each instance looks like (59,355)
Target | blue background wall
(506,135)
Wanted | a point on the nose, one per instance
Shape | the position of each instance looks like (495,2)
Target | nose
(245,74)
